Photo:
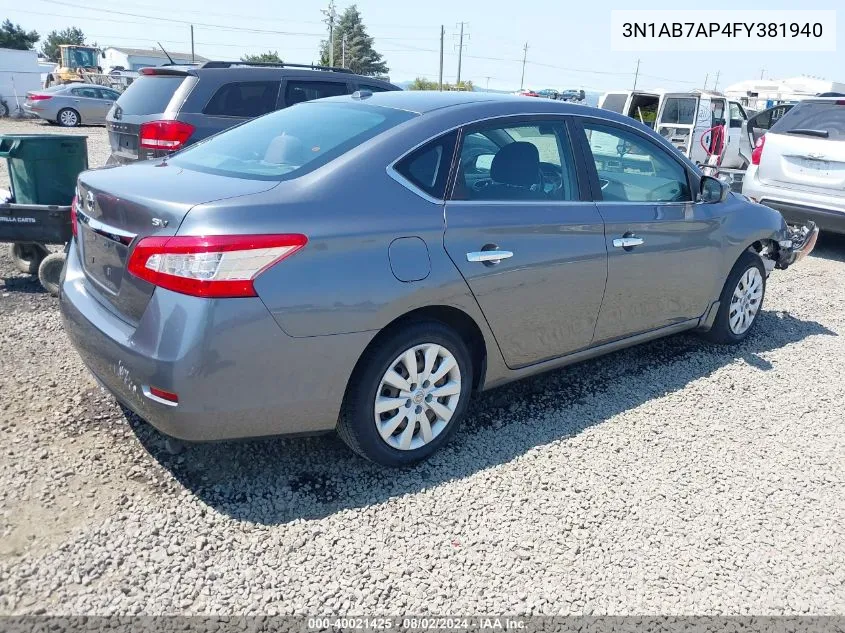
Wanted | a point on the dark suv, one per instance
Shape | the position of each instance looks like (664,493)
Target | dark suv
(170,107)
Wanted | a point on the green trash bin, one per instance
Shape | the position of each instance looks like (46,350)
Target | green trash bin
(43,167)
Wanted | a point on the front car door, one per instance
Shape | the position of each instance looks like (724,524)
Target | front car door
(526,238)
(107,99)
(663,248)
(738,144)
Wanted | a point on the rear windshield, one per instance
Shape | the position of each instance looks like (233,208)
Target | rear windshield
(615,102)
(149,95)
(287,143)
(814,116)
(679,110)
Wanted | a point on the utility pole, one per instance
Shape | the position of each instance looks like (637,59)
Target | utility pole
(442,34)
(460,54)
(343,49)
(524,57)
(193,57)
(636,74)
(330,14)
(706,77)
(762,70)
(716,85)
(488,83)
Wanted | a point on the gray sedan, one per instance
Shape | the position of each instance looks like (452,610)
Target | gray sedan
(365,263)
(73,104)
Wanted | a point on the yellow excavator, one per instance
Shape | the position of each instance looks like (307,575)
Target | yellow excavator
(76,64)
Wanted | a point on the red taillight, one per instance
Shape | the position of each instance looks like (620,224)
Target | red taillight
(33,97)
(164,395)
(166,135)
(210,266)
(73,219)
(757,152)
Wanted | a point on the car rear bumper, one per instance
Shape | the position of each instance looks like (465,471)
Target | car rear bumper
(236,373)
(796,206)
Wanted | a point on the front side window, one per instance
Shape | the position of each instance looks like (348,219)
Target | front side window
(289,142)
(632,169)
(89,93)
(615,102)
(530,161)
(245,99)
(428,167)
(300,91)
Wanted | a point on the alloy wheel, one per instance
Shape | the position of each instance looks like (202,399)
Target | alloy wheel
(417,396)
(745,301)
(69,118)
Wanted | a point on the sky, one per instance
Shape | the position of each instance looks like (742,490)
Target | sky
(568,41)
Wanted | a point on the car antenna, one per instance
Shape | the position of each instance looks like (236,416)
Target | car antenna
(170,59)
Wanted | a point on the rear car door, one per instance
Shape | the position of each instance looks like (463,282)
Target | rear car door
(737,138)
(663,248)
(805,149)
(235,102)
(526,238)
(301,90)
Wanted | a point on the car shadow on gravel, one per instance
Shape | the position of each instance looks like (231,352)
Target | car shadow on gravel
(273,481)
(830,246)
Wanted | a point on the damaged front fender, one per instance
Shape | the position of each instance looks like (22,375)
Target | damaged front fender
(796,245)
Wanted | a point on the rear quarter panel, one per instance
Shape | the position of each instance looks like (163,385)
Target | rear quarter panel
(351,211)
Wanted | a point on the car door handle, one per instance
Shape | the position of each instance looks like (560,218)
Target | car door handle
(628,241)
(488,256)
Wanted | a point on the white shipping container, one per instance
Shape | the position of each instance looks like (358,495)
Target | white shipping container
(19,74)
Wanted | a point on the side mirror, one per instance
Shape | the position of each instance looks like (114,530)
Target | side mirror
(713,190)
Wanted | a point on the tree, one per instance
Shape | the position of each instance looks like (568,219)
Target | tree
(421,83)
(268,57)
(361,57)
(13,36)
(50,47)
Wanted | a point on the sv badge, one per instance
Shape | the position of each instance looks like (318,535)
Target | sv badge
(158,222)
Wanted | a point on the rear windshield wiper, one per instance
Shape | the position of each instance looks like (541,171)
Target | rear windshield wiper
(808,132)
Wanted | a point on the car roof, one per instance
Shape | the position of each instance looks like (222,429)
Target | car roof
(422,101)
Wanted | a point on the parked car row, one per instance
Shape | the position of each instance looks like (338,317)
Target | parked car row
(551,93)
(265,282)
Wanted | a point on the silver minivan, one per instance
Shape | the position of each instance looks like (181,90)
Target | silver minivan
(798,167)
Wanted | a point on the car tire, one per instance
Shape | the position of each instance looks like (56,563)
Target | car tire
(50,271)
(68,117)
(740,301)
(386,435)
(27,256)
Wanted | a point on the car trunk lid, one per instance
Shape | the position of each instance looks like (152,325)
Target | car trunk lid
(807,163)
(118,207)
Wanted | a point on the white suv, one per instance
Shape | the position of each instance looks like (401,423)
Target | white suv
(798,167)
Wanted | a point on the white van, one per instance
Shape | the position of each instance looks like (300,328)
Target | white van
(19,74)
(686,119)
(641,105)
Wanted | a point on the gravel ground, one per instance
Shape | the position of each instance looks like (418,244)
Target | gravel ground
(674,478)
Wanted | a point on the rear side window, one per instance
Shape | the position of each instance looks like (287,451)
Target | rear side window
(428,167)
(299,91)
(149,94)
(288,143)
(679,110)
(372,88)
(819,119)
(615,102)
(90,93)
(245,99)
